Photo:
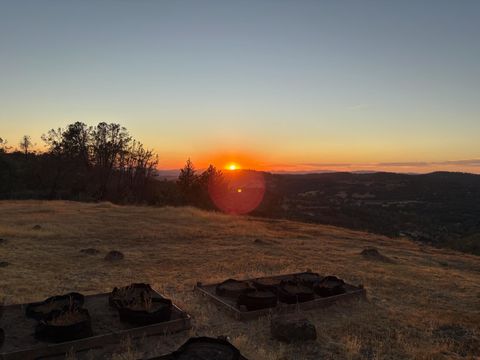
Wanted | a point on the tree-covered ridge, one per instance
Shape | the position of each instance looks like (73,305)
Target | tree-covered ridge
(96,163)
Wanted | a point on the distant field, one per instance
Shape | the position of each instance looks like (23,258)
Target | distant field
(424,305)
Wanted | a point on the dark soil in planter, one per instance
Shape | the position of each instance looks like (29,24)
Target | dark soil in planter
(232,288)
(329,286)
(204,348)
(292,293)
(62,326)
(257,299)
(43,309)
(4,264)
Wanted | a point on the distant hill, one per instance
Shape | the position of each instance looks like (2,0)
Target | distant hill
(440,208)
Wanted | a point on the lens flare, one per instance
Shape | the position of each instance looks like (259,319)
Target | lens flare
(237,192)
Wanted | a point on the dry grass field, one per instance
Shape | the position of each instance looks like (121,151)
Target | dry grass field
(425,304)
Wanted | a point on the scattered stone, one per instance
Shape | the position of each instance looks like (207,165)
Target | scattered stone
(260,242)
(114,255)
(4,264)
(37,227)
(292,328)
(90,251)
(372,253)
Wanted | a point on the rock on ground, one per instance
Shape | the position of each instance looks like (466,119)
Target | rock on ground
(114,255)
(292,328)
(372,253)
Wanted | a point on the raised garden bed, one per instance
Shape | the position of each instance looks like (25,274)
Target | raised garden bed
(28,338)
(252,298)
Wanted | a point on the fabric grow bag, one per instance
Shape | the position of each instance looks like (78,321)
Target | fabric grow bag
(161,310)
(257,299)
(269,284)
(308,278)
(48,330)
(43,309)
(124,296)
(330,286)
(292,293)
(232,288)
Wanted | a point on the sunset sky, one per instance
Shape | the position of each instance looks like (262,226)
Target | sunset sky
(268,84)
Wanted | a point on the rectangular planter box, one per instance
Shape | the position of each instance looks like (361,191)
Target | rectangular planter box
(20,343)
(229,305)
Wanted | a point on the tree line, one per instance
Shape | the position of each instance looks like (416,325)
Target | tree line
(96,163)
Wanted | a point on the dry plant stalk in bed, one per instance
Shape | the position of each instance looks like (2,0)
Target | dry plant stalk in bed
(69,317)
(144,303)
(413,301)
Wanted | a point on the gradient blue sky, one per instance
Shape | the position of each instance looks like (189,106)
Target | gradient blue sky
(293,85)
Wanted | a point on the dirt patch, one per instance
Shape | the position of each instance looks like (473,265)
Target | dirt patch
(4,264)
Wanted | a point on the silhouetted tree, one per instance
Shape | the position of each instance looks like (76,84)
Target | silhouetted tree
(3,145)
(25,144)
(72,143)
(101,162)
(212,177)
(187,180)
(109,141)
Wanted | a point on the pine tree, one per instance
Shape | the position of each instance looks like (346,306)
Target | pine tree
(187,178)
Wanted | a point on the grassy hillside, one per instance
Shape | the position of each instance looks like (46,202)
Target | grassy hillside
(439,208)
(423,305)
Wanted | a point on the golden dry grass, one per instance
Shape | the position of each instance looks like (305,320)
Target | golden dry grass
(173,248)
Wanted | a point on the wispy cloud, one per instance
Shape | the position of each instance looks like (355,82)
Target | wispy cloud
(467,162)
(325,164)
(403,164)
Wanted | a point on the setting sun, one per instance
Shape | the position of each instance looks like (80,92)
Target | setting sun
(232,166)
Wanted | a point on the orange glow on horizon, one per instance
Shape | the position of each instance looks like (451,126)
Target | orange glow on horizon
(233,160)
(232,166)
